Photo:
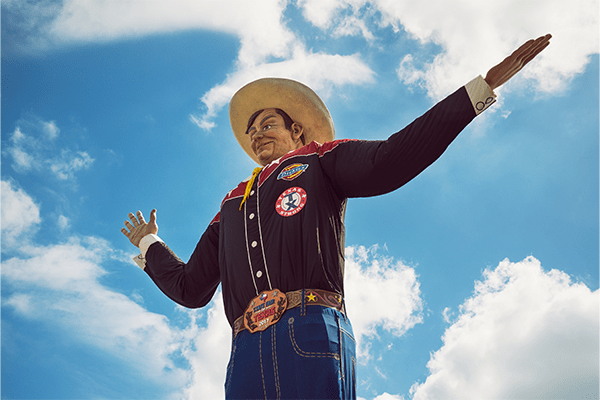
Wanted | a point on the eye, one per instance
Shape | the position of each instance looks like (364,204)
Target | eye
(267,127)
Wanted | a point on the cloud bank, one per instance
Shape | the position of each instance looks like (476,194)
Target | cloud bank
(59,284)
(380,293)
(471,37)
(525,333)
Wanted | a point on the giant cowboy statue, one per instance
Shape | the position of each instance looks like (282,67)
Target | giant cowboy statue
(276,246)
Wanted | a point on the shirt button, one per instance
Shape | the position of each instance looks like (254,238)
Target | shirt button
(254,244)
(251,192)
(251,216)
(259,274)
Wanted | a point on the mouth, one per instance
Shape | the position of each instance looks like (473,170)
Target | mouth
(261,146)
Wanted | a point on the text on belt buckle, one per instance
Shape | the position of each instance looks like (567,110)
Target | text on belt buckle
(264,310)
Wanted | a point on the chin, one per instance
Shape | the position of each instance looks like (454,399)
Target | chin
(263,161)
(265,158)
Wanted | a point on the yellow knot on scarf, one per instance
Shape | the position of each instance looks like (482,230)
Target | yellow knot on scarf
(249,185)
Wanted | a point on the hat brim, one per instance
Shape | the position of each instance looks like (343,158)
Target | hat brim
(299,101)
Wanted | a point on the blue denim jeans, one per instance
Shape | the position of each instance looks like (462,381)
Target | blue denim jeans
(308,354)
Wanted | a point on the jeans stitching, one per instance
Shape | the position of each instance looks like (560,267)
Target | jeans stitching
(354,372)
(261,365)
(348,334)
(230,369)
(275,367)
(340,339)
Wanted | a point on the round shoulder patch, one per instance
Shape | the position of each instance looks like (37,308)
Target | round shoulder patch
(291,202)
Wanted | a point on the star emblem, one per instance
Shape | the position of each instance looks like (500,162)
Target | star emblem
(311,297)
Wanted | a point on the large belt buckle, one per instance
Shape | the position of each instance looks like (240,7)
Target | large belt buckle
(265,310)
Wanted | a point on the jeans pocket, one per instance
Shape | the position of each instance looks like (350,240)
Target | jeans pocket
(304,346)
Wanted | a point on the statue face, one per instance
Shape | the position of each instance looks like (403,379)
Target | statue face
(269,138)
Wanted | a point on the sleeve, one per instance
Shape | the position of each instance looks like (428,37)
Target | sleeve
(361,168)
(190,284)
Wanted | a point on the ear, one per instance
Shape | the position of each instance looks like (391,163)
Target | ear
(297,131)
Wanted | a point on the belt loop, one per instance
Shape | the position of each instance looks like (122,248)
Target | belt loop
(303,304)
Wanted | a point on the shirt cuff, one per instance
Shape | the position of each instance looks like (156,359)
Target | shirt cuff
(145,243)
(480,94)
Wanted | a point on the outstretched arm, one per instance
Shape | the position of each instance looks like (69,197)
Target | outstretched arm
(190,284)
(512,64)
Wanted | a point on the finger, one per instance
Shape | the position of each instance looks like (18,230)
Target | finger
(533,48)
(141,217)
(153,216)
(535,51)
(125,232)
(539,44)
(129,226)
(133,219)
(523,49)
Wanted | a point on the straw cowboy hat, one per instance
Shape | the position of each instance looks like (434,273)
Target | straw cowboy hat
(299,101)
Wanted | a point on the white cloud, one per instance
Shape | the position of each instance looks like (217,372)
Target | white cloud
(321,13)
(352,26)
(22,160)
(68,163)
(525,334)
(380,293)
(447,314)
(63,222)
(59,285)
(20,216)
(50,129)
(209,353)
(33,148)
(346,17)
(258,24)
(387,396)
(313,69)
(474,36)
(477,35)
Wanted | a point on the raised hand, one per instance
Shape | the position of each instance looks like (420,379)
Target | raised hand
(138,227)
(512,64)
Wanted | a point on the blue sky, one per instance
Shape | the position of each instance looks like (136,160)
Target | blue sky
(478,279)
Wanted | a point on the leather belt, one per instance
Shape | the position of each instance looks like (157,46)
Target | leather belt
(312,297)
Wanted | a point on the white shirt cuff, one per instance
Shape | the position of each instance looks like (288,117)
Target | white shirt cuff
(481,95)
(145,243)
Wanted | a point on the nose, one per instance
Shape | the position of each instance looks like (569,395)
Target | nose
(255,135)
